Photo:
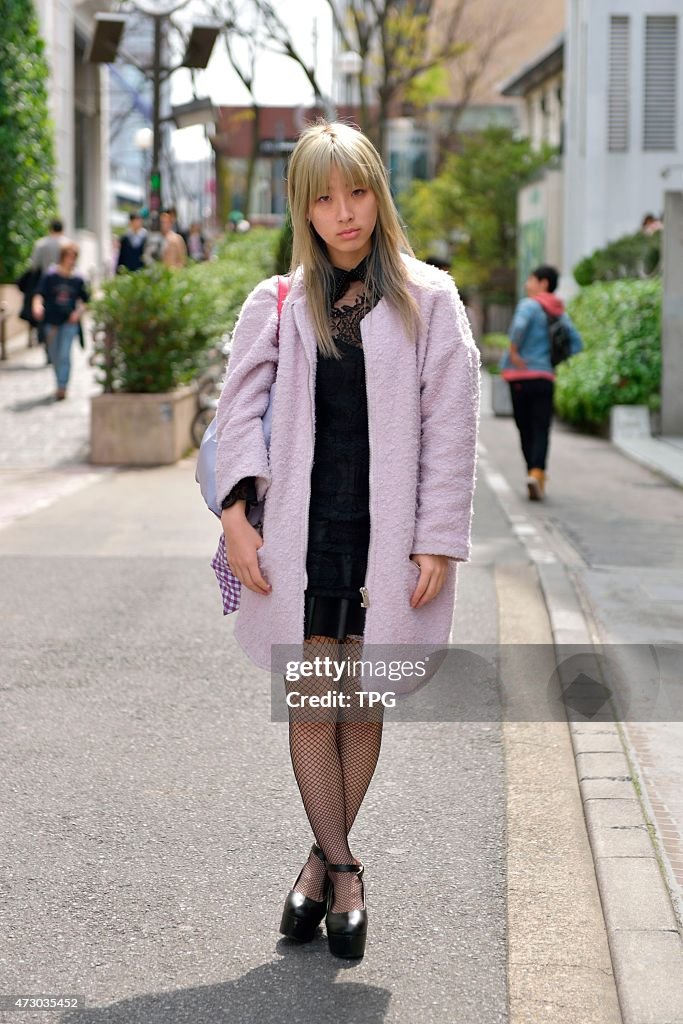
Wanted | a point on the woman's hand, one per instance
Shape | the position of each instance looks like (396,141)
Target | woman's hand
(433,569)
(242,542)
(74,317)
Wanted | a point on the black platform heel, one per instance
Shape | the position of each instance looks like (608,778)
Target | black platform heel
(302,915)
(346,930)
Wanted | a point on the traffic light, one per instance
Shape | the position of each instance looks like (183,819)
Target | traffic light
(155,192)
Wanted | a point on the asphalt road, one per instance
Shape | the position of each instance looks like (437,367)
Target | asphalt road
(151,818)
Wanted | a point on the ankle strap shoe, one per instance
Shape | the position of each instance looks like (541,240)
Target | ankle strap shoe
(346,930)
(302,915)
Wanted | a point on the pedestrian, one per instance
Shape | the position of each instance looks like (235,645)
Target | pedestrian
(651,225)
(527,367)
(59,304)
(173,248)
(368,484)
(45,254)
(132,247)
(196,243)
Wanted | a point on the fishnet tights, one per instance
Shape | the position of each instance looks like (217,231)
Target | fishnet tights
(334,754)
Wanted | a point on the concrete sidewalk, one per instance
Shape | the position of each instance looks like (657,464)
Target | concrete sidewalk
(611,565)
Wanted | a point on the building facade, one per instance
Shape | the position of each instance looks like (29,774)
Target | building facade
(539,84)
(624,117)
(79,108)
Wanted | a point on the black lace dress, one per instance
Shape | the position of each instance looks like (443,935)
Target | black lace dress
(339,514)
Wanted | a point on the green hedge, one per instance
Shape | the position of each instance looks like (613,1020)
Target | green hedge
(633,256)
(620,323)
(27,167)
(154,327)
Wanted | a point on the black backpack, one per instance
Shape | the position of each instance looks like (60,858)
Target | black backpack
(560,339)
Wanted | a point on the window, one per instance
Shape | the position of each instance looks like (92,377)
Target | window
(661,72)
(618,103)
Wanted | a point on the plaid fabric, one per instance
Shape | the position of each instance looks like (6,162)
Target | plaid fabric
(230,586)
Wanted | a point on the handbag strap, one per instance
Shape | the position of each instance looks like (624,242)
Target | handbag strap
(282,292)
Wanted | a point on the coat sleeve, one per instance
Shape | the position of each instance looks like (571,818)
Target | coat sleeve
(449,408)
(241,448)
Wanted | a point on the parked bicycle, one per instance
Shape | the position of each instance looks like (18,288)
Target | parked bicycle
(209,387)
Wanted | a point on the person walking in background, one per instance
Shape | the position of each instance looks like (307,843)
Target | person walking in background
(133,245)
(45,255)
(355,291)
(528,368)
(196,243)
(173,248)
(46,250)
(58,304)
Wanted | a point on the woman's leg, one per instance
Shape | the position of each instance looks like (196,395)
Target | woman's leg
(318,772)
(359,737)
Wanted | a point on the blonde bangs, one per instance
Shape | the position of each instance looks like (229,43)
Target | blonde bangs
(313,179)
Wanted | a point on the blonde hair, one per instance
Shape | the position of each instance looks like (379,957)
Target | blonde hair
(319,147)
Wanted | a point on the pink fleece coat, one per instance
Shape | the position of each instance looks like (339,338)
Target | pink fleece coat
(423,417)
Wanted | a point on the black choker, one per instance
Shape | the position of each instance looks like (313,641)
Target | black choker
(343,278)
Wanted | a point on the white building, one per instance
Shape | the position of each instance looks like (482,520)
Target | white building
(540,215)
(624,116)
(609,93)
(79,109)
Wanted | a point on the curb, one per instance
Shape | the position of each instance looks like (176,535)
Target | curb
(638,903)
(633,878)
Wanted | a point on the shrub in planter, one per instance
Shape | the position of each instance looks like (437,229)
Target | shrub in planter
(492,347)
(153,331)
(153,327)
(633,256)
(620,323)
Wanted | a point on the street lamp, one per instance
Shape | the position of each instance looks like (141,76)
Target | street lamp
(104,47)
(143,143)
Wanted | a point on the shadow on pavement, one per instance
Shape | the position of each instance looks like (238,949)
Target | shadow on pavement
(300,987)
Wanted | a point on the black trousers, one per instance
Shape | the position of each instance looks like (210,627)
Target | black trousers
(532,405)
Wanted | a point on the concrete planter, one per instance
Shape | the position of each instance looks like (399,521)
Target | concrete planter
(141,430)
(500,396)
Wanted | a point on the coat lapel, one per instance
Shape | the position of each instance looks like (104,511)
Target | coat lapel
(305,329)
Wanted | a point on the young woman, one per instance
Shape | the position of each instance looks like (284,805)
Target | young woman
(368,483)
(59,304)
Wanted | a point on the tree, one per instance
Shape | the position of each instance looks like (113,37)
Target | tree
(249,28)
(27,167)
(400,42)
(472,203)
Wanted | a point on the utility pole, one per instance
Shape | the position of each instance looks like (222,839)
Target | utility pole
(672,316)
(155,176)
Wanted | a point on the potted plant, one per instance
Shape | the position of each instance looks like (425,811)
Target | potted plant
(152,330)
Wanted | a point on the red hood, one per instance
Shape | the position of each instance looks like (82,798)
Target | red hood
(550,303)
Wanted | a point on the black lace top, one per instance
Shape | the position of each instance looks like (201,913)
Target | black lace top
(339,516)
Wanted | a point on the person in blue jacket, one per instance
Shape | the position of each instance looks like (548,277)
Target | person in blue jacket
(527,367)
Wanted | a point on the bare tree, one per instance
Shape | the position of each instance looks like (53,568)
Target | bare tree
(400,40)
(279,40)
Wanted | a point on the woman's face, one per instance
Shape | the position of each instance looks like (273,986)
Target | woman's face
(345,217)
